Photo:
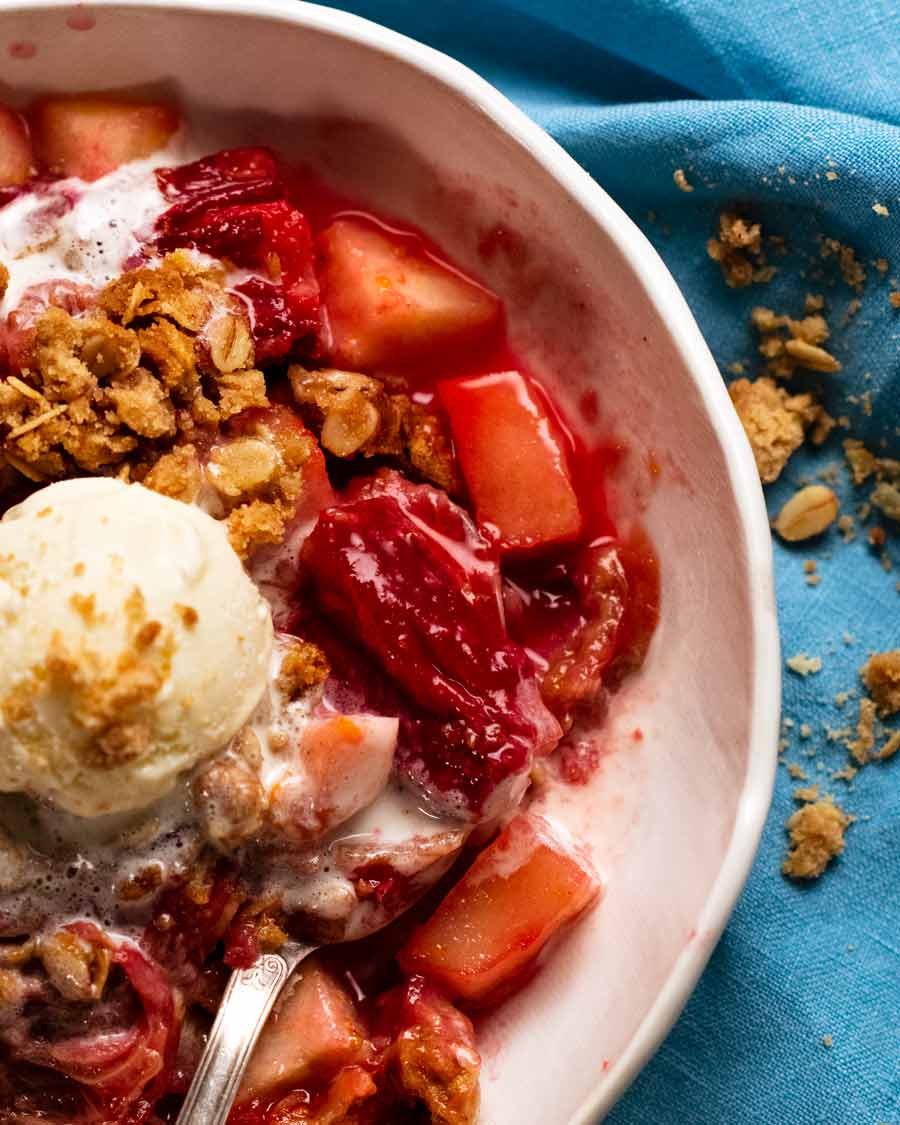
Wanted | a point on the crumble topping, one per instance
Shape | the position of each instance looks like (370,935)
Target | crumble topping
(817,835)
(775,422)
(355,415)
(303,666)
(110,388)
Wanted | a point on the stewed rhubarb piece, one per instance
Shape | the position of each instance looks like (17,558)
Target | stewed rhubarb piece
(513,458)
(406,572)
(516,895)
(89,135)
(390,302)
(231,206)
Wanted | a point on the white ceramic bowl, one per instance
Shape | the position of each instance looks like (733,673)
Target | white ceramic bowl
(673,819)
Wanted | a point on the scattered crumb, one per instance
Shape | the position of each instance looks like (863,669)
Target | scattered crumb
(894,299)
(831,175)
(881,675)
(882,265)
(877,536)
(890,747)
(880,209)
(739,251)
(861,746)
(809,793)
(847,773)
(827,1041)
(817,835)
(852,270)
(788,344)
(681,180)
(804,665)
(805,730)
(847,527)
(774,421)
(796,772)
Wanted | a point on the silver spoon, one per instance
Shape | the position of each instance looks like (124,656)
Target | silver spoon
(248,1001)
(246,1004)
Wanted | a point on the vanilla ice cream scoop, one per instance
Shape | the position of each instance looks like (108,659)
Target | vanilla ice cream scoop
(134,644)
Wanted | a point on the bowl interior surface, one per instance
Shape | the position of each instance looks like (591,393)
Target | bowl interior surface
(672,816)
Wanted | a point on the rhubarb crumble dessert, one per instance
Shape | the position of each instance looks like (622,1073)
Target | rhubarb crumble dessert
(308,589)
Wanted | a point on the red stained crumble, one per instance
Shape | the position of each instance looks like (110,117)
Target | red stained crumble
(22,49)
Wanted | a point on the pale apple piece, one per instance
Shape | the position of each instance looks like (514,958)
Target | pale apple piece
(390,303)
(343,763)
(88,135)
(519,891)
(313,1032)
(16,157)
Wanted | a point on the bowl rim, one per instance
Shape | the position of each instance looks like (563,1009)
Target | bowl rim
(672,308)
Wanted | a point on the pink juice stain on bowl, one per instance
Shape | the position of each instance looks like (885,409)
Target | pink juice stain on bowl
(80,19)
(22,49)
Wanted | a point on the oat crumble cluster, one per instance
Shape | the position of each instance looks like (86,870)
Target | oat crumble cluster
(738,249)
(165,354)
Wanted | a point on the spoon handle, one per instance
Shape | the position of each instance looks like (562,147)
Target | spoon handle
(246,1004)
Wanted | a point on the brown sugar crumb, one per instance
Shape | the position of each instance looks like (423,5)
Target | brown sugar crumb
(111,388)
(189,616)
(176,474)
(681,180)
(808,793)
(788,344)
(774,421)
(804,665)
(852,270)
(797,773)
(881,675)
(861,747)
(356,416)
(817,836)
(255,525)
(894,299)
(303,666)
(739,251)
(85,605)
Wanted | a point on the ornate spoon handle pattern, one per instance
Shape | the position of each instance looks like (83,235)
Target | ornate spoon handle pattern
(246,1004)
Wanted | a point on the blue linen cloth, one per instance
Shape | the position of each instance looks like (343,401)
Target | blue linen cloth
(797,1018)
